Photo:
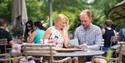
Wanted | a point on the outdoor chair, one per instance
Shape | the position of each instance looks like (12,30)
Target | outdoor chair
(3,42)
(118,59)
(38,50)
(5,57)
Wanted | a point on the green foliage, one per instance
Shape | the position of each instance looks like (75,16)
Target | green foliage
(72,9)
(5,9)
(34,10)
(38,10)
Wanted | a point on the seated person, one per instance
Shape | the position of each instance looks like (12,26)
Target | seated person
(122,34)
(28,29)
(4,34)
(57,34)
(88,34)
(37,35)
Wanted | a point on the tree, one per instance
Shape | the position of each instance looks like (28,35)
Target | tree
(5,9)
(38,10)
(34,10)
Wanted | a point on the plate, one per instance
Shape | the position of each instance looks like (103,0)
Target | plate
(67,49)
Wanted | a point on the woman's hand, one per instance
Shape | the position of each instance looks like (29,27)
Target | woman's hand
(67,45)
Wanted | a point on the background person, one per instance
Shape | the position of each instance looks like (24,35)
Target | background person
(108,34)
(122,34)
(37,35)
(29,29)
(4,34)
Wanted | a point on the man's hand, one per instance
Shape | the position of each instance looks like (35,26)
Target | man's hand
(82,46)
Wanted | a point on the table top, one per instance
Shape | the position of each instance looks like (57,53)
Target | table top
(78,53)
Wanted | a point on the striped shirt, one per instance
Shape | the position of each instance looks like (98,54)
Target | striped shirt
(91,36)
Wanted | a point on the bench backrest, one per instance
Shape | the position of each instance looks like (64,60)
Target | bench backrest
(38,50)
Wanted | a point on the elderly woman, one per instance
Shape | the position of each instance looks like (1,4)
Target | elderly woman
(57,34)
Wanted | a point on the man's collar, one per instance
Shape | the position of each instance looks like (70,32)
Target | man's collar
(88,27)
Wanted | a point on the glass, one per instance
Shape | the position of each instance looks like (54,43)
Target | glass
(45,41)
(74,42)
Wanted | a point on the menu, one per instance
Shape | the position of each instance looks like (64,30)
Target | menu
(67,49)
